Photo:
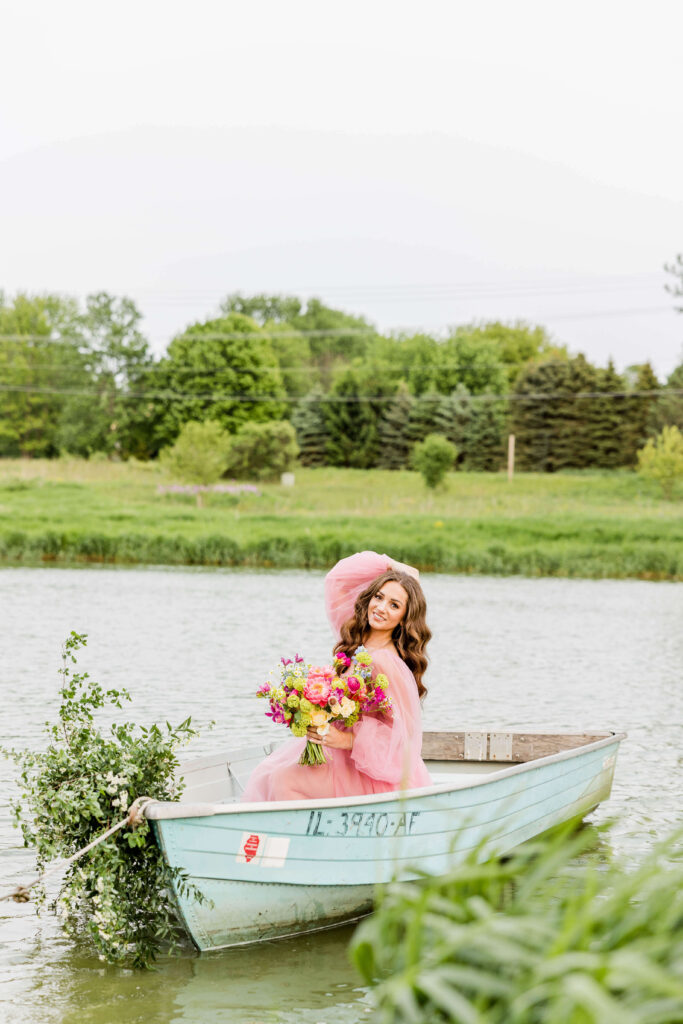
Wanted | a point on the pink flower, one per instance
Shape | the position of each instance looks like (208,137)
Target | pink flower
(353,684)
(343,659)
(263,688)
(318,685)
(379,695)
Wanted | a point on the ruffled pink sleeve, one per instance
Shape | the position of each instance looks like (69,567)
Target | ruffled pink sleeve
(389,747)
(347,580)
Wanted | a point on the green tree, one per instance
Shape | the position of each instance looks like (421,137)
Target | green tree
(662,459)
(40,363)
(433,458)
(668,409)
(473,360)
(352,413)
(430,413)
(262,451)
(223,370)
(483,437)
(309,422)
(117,361)
(395,441)
(199,454)
(550,419)
(608,421)
(335,337)
(646,388)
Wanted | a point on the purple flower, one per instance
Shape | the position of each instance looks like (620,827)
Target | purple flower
(286,661)
(298,658)
(379,695)
(277,715)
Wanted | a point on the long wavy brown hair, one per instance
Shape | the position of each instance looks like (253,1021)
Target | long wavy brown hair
(410,636)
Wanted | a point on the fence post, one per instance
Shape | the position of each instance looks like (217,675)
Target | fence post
(511,456)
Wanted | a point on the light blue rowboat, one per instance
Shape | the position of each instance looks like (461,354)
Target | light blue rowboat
(271,870)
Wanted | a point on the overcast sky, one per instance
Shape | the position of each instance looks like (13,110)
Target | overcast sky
(422,163)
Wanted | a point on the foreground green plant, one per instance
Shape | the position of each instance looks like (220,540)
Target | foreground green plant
(120,894)
(536,938)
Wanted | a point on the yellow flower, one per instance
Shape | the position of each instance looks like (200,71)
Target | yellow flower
(319,717)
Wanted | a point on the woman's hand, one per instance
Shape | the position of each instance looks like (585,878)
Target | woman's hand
(336,739)
(402,567)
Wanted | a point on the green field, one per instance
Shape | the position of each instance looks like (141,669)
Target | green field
(609,524)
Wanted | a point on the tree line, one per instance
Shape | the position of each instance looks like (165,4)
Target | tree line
(81,378)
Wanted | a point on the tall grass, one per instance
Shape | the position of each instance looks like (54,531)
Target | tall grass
(591,525)
(538,938)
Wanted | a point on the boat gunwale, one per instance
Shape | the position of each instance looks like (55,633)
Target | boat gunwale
(164,810)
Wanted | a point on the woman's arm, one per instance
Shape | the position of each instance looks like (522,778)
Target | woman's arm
(350,577)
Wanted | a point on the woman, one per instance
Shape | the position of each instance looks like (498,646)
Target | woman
(377,602)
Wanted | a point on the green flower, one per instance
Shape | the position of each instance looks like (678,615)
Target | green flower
(305,705)
(299,729)
(293,701)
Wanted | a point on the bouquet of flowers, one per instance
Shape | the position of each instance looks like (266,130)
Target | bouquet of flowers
(317,696)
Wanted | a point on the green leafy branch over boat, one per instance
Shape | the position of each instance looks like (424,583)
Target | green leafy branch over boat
(83,783)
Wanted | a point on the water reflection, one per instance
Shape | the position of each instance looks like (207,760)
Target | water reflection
(301,981)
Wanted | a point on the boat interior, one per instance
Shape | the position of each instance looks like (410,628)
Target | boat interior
(221,778)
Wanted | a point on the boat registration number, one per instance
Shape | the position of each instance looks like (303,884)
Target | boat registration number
(360,824)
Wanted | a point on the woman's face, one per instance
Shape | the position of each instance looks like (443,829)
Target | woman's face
(388,606)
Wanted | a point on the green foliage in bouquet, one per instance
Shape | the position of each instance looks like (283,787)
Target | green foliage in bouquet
(547,934)
(120,894)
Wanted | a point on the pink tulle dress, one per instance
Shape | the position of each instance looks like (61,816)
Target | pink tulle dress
(386,749)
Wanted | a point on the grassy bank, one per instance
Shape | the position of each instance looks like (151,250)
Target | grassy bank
(592,525)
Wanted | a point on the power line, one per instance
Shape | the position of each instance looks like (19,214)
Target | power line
(346,399)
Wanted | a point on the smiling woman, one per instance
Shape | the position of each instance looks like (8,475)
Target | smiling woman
(376,602)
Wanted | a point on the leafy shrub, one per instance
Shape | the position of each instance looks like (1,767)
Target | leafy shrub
(662,459)
(262,451)
(85,781)
(537,937)
(199,454)
(433,458)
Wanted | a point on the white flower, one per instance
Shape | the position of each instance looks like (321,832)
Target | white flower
(123,799)
(347,706)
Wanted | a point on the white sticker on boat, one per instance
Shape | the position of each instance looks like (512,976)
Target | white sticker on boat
(259,848)
(275,853)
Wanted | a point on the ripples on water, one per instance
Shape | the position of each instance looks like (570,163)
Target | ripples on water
(520,654)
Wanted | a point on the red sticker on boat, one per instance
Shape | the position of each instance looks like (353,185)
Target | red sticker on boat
(250,847)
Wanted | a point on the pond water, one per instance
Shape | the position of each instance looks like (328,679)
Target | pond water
(524,654)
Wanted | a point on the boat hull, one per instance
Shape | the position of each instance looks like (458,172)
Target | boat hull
(272,870)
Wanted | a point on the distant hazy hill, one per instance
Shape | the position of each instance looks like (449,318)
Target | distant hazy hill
(181,216)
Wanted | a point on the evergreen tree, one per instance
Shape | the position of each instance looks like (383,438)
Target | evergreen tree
(640,406)
(311,429)
(431,413)
(394,439)
(352,413)
(484,435)
(608,421)
(549,416)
